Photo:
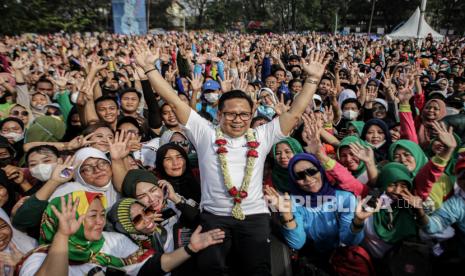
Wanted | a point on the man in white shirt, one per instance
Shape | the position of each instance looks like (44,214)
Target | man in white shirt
(248,233)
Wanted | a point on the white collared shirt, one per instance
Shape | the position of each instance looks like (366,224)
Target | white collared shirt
(215,197)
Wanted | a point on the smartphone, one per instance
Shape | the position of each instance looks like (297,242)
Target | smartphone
(370,205)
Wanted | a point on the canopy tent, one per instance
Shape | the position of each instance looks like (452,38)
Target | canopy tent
(410,28)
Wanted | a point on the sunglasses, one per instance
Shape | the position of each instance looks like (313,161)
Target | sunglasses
(17,113)
(308,172)
(138,219)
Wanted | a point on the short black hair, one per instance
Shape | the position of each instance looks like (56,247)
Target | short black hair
(259,118)
(130,120)
(41,150)
(93,127)
(106,98)
(129,90)
(234,94)
(43,79)
(351,100)
(12,119)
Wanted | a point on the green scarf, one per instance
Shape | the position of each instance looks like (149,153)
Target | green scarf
(358,125)
(414,149)
(80,250)
(345,143)
(402,224)
(280,175)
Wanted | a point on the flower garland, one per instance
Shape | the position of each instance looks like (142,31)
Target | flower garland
(252,154)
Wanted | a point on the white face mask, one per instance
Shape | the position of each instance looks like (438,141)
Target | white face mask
(212,97)
(39,107)
(350,115)
(74,97)
(14,136)
(43,172)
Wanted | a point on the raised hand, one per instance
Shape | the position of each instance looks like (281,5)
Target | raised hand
(311,134)
(404,95)
(119,147)
(328,115)
(280,203)
(64,171)
(226,84)
(196,82)
(14,174)
(413,200)
(146,58)
(201,241)
(316,65)
(363,153)
(361,213)
(445,135)
(80,141)
(61,80)
(68,224)
(282,107)
(11,258)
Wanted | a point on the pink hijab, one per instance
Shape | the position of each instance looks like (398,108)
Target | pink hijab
(422,123)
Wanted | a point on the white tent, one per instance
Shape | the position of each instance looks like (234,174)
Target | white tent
(410,28)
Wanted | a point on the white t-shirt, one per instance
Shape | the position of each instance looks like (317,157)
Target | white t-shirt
(215,197)
(116,244)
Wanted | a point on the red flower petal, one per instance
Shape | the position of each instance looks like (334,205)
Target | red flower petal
(221,150)
(253,144)
(233,191)
(220,142)
(243,194)
(238,200)
(252,153)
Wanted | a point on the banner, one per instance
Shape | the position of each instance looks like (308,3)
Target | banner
(129,17)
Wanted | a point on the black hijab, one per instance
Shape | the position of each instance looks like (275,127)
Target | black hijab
(186,184)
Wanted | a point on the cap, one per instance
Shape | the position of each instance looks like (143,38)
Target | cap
(211,85)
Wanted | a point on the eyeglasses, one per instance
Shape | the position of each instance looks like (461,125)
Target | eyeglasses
(101,165)
(184,143)
(138,219)
(17,113)
(307,172)
(56,113)
(232,116)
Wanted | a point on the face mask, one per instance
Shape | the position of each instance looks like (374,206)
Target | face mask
(295,74)
(74,97)
(13,136)
(211,97)
(377,146)
(267,111)
(350,115)
(43,172)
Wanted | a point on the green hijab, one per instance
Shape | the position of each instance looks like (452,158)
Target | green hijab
(358,125)
(399,224)
(45,129)
(133,177)
(280,175)
(414,149)
(79,248)
(345,143)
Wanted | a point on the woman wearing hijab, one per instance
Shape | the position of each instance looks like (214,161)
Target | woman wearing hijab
(74,242)
(283,151)
(376,134)
(92,171)
(172,164)
(13,243)
(347,155)
(434,110)
(308,219)
(394,222)
(355,128)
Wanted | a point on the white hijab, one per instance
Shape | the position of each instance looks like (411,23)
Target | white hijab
(346,94)
(81,156)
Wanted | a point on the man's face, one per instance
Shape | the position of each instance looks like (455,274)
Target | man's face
(168,116)
(38,101)
(235,117)
(272,83)
(459,86)
(107,111)
(45,88)
(130,102)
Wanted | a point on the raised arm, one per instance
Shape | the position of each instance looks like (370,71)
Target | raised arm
(146,59)
(314,69)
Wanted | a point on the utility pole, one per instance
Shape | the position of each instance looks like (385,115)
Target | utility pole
(422,16)
(335,25)
(371,17)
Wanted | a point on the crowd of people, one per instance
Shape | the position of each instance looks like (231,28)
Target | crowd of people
(231,154)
